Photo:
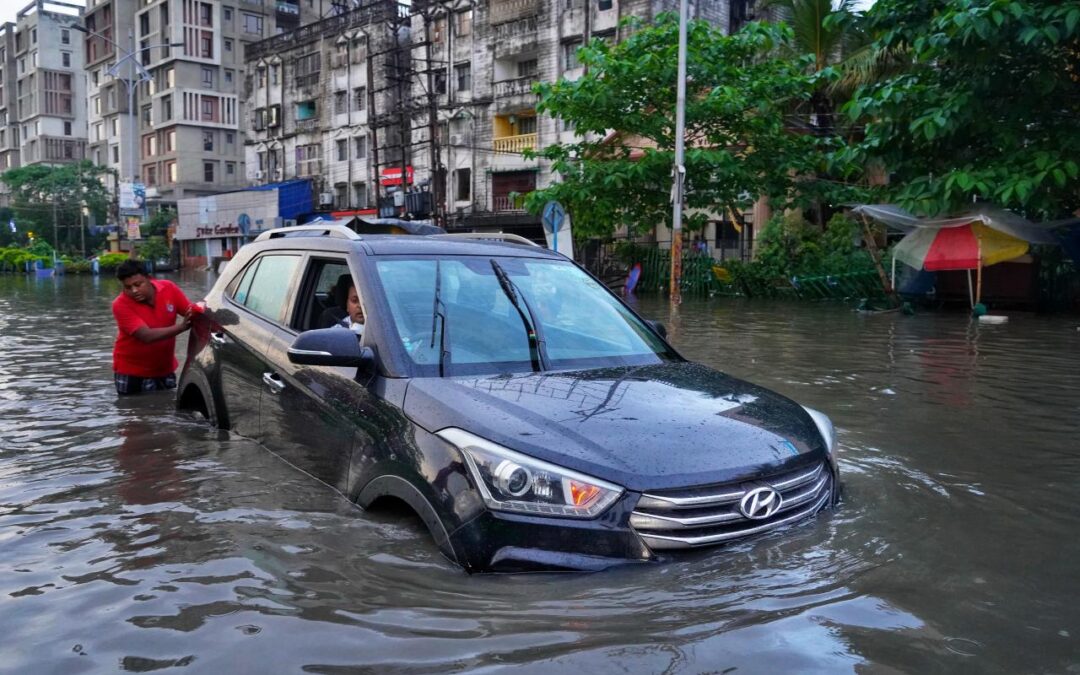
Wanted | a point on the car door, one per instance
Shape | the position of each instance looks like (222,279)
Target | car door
(309,413)
(253,312)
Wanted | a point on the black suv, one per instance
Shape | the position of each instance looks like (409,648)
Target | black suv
(529,417)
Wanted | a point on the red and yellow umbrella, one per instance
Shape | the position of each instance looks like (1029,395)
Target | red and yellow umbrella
(967,247)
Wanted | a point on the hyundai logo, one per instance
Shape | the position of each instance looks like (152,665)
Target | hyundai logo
(760,503)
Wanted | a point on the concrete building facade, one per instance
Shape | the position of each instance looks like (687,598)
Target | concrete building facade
(9,128)
(49,121)
(321,104)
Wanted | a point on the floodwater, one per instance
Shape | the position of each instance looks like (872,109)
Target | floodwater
(134,538)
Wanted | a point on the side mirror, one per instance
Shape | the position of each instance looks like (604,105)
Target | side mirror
(658,327)
(331,347)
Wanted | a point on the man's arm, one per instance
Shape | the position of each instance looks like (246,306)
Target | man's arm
(148,334)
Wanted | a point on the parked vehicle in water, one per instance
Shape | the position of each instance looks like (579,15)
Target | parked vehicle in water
(525,413)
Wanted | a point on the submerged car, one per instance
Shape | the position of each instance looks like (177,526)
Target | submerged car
(529,417)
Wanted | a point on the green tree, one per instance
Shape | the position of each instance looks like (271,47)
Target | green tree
(738,142)
(986,107)
(38,191)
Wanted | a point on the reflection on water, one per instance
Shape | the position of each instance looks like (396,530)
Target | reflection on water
(132,537)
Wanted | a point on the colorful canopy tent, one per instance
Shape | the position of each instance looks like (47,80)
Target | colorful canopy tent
(970,241)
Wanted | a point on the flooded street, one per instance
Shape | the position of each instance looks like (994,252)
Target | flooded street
(136,538)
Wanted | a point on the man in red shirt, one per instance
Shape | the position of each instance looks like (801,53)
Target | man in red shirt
(146,313)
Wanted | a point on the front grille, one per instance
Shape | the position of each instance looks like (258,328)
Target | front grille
(710,515)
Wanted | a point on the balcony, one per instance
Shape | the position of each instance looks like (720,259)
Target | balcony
(516,87)
(502,11)
(508,204)
(514,144)
(517,28)
(307,125)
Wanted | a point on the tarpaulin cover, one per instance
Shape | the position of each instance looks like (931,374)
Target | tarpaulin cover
(992,217)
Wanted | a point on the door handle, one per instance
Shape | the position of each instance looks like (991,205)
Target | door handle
(274,382)
(218,339)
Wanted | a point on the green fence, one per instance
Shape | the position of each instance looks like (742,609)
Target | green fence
(864,284)
(697,277)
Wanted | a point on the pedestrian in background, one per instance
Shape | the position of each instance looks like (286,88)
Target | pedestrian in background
(146,312)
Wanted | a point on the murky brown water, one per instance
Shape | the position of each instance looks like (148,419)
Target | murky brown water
(134,538)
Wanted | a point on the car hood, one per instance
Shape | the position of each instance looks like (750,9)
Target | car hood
(645,428)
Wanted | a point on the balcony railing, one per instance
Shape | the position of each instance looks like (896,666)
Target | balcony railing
(307,125)
(526,26)
(501,11)
(504,203)
(517,86)
(514,144)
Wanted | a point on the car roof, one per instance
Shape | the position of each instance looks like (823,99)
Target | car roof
(404,244)
(397,244)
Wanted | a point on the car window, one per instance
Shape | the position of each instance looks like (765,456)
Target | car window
(270,285)
(582,324)
(322,304)
(238,290)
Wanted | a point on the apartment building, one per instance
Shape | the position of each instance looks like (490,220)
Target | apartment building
(46,117)
(485,60)
(322,103)
(9,128)
(187,104)
(110,123)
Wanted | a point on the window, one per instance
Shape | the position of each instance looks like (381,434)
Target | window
(360,199)
(305,110)
(230,168)
(275,73)
(360,97)
(341,195)
(208,141)
(98,133)
(170,171)
(65,59)
(463,75)
(208,77)
(166,107)
(260,119)
(228,13)
(528,68)
(463,23)
(361,147)
(67,128)
(342,150)
(208,172)
(526,125)
(308,159)
(150,147)
(33,36)
(116,154)
(116,127)
(341,102)
(151,175)
(228,76)
(274,115)
(206,47)
(170,78)
(265,285)
(570,59)
(440,81)
(260,77)
(65,36)
(148,115)
(170,140)
(463,181)
(95,77)
(228,45)
(253,23)
(230,138)
(144,24)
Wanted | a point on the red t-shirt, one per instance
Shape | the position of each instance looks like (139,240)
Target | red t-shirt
(131,356)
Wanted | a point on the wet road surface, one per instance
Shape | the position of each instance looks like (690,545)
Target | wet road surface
(135,538)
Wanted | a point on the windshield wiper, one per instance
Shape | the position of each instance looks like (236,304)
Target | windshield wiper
(537,346)
(438,311)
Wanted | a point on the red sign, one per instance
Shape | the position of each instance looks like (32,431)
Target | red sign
(391,175)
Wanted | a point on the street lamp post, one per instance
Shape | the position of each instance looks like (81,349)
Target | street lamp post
(677,189)
(131,82)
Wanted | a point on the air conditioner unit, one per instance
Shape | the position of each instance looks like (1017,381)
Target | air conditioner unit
(259,175)
(326,198)
(278,173)
(288,222)
(459,139)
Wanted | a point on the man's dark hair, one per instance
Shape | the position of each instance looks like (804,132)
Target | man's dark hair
(129,268)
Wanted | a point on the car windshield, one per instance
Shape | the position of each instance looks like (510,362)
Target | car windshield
(475,326)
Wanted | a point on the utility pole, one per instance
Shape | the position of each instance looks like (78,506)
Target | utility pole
(679,172)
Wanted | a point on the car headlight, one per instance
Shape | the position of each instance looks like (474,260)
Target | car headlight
(825,428)
(511,481)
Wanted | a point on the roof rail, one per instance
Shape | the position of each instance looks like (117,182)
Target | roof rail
(328,230)
(501,236)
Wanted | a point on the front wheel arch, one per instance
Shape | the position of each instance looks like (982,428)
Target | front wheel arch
(192,397)
(404,491)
